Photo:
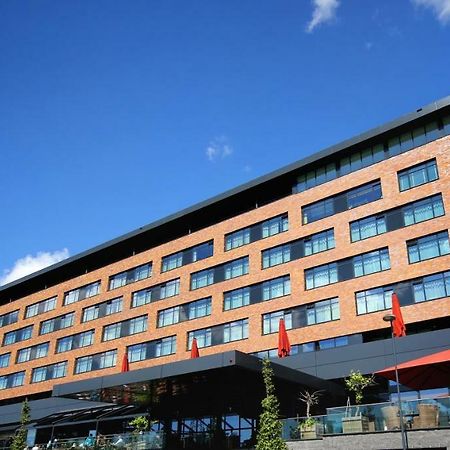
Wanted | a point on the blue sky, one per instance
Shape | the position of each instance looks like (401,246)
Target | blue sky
(115,114)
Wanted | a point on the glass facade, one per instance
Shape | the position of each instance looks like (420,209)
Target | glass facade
(50,372)
(40,307)
(9,318)
(428,247)
(96,362)
(368,227)
(152,349)
(130,276)
(155,293)
(81,293)
(188,256)
(102,309)
(432,287)
(57,323)
(418,175)
(12,380)
(125,328)
(4,360)
(181,313)
(33,352)
(74,341)
(219,334)
(371,262)
(321,276)
(19,335)
(422,210)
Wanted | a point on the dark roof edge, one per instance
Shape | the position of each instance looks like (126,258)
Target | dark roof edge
(421,112)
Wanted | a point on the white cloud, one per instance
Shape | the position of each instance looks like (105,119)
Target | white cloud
(218,148)
(324,11)
(29,264)
(440,7)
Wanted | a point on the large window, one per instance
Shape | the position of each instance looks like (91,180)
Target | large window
(22,334)
(125,328)
(428,247)
(219,334)
(418,175)
(423,210)
(96,362)
(319,242)
(187,256)
(257,231)
(321,276)
(34,352)
(371,262)
(9,318)
(102,309)
(152,349)
(57,323)
(353,198)
(377,299)
(74,341)
(301,316)
(432,287)
(130,276)
(155,293)
(181,313)
(278,287)
(225,271)
(368,227)
(276,255)
(4,360)
(40,307)
(50,372)
(81,293)
(12,380)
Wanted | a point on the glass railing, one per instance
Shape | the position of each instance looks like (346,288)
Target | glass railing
(417,415)
(150,440)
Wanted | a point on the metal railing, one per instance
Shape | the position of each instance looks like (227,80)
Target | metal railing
(377,417)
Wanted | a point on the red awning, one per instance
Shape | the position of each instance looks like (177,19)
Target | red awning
(428,372)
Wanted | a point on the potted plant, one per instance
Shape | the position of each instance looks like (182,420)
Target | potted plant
(309,427)
(140,425)
(356,383)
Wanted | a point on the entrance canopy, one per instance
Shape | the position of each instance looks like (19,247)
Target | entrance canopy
(209,385)
(428,372)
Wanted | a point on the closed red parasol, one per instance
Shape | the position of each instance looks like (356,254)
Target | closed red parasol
(194,349)
(284,347)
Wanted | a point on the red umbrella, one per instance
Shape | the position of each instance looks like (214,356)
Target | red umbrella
(429,372)
(194,349)
(284,347)
(398,325)
(125,363)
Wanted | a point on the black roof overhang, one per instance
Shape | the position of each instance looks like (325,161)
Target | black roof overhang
(197,386)
(261,190)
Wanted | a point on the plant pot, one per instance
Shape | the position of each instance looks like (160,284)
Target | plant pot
(312,431)
(391,417)
(356,424)
(428,416)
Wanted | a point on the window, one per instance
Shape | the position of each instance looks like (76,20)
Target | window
(376,261)
(188,311)
(96,362)
(125,328)
(271,321)
(12,380)
(50,372)
(366,228)
(154,293)
(236,298)
(276,255)
(218,273)
(324,311)
(377,299)
(34,352)
(275,226)
(423,210)
(79,340)
(319,242)
(22,334)
(57,323)
(81,293)
(236,268)
(344,201)
(102,309)
(432,287)
(275,288)
(418,175)
(9,318)
(237,239)
(257,231)
(428,247)
(4,360)
(219,334)
(235,331)
(152,349)
(316,177)
(130,276)
(40,307)
(187,256)
(321,276)
(362,158)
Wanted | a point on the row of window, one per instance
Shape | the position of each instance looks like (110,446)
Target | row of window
(422,289)
(360,159)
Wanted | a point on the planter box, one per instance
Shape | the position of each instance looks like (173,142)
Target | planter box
(358,424)
(314,431)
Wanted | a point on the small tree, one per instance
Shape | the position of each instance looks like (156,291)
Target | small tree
(140,424)
(269,431)
(310,399)
(20,438)
(356,383)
